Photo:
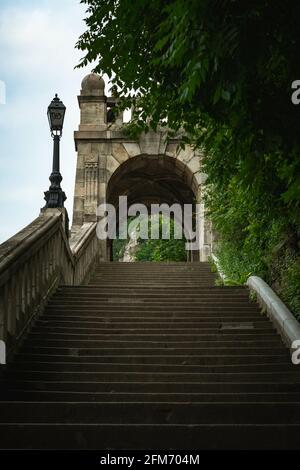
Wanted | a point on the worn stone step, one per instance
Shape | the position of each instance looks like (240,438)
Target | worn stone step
(92,335)
(284,366)
(153,325)
(56,396)
(157,436)
(151,311)
(150,268)
(34,341)
(155,385)
(157,376)
(154,334)
(105,294)
(179,265)
(159,283)
(152,301)
(168,282)
(208,350)
(87,290)
(218,359)
(150,413)
(196,276)
(175,318)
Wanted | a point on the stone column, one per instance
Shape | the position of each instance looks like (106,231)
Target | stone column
(204,226)
(92,103)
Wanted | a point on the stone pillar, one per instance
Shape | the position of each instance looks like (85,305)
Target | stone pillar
(92,103)
(204,227)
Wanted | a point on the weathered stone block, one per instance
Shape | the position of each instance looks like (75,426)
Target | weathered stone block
(103,148)
(84,148)
(112,164)
(186,154)
(171,150)
(200,177)
(194,164)
(119,152)
(150,142)
(163,143)
(132,148)
(102,193)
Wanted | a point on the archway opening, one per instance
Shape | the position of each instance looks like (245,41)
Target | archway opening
(153,180)
(151,238)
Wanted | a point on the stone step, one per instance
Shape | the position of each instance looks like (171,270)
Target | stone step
(284,366)
(204,324)
(34,341)
(150,268)
(148,271)
(215,290)
(154,386)
(139,330)
(168,274)
(156,265)
(152,276)
(150,413)
(157,436)
(57,396)
(151,301)
(104,294)
(218,359)
(82,377)
(158,309)
(92,335)
(209,350)
(154,281)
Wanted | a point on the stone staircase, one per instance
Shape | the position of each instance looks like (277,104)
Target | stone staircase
(151,356)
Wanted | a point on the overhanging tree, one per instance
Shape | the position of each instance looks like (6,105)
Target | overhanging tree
(222,70)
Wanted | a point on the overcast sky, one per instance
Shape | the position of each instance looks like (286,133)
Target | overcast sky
(37,59)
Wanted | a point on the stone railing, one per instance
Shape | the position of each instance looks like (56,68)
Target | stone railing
(284,321)
(32,265)
(84,246)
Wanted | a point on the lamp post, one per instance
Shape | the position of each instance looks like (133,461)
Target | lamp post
(55,196)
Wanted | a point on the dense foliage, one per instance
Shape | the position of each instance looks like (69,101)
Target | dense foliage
(171,249)
(222,70)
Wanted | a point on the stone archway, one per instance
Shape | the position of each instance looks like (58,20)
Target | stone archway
(156,167)
(153,179)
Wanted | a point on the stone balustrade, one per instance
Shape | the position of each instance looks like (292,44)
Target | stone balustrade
(32,265)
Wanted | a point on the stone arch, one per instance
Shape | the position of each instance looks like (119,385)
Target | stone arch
(156,147)
(150,179)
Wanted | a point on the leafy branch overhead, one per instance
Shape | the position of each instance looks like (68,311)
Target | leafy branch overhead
(222,70)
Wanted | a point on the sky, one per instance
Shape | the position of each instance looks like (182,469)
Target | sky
(37,60)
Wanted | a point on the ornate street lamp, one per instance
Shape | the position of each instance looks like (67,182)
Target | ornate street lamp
(55,197)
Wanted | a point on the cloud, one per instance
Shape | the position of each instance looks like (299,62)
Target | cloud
(37,57)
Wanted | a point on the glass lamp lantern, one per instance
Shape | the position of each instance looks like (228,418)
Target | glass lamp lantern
(56,114)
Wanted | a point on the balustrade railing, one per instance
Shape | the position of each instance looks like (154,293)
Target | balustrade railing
(32,265)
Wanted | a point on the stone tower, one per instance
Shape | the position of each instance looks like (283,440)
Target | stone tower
(110,164)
